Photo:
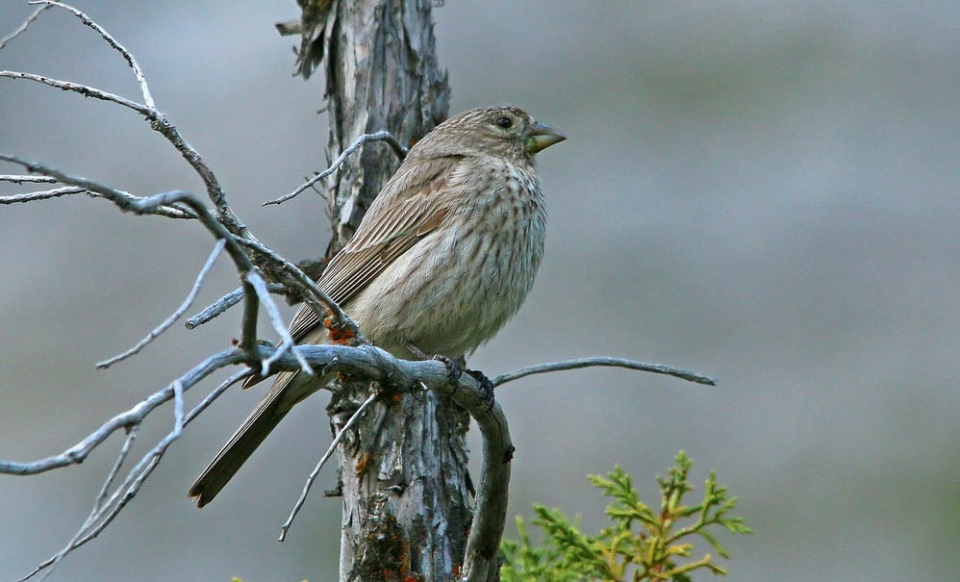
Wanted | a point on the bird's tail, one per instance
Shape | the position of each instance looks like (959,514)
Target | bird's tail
(254,430)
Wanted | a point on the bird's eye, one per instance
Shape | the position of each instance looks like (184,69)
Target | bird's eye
(504,122)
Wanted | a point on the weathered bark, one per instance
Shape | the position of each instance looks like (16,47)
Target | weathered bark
(382,73)
(403,471)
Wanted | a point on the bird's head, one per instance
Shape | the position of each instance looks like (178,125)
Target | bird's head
(502,130)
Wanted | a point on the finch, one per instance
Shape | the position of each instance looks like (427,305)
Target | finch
(443,258)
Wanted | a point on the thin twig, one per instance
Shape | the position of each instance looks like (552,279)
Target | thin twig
(169,212)
(154,333)
(157,120)
(123,199)
(107,510)
(23,27)
(132,417)
(316,470)
(145,205)
(378,136)
(100,517)
(127,55)
(221,305)
(279,326)
(132,433)
(214,224)
(28,179)
(603,361)
(215,393)
(41,195)
(318,300)
(84,90)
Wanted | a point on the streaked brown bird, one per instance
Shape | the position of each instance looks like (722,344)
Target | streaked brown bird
(444,256)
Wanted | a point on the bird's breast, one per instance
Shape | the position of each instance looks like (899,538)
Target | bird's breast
(460,284)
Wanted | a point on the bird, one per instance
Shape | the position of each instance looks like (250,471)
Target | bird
(442,259)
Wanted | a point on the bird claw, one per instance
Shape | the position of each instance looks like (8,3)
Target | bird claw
(486,386)
(454,370)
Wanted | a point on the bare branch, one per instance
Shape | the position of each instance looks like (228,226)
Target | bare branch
(123,199)
(278,325)
(132,433)
(131,61)
(98,504)
(481,560)
(323,460)
(378,136)
(140,205)
(221,305)
(84,90)
(217,249)
(100,517)
(367,362)
(215,225)
(41,195)
(79,452)
(148,109)
(27,179)
(169,212)
(317,299)
(603,361)
(105,510)
(23,27)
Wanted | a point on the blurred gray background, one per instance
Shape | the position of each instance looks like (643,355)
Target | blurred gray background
(761,191)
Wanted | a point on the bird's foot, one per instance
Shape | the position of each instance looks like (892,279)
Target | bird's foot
(454,370)
(486,386)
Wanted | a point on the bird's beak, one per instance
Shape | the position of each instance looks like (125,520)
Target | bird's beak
(540,137)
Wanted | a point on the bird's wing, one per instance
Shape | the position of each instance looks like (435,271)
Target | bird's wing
(415,210)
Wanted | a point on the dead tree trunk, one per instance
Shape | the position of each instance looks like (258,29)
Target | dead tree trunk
(403,471)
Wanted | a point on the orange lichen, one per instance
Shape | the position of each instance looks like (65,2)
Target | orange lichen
(405,564)
(338,333)
(341,335)
(362,464)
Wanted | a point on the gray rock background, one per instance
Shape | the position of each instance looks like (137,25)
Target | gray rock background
(762,191)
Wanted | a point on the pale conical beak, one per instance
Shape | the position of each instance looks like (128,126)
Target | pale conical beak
(540,137)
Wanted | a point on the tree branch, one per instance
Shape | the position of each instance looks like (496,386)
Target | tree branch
(378,136)
(295,278)
(279,326)
(148,109)
(221,305)
(27,179)
(84,90)
(603,361)
(201,277)
(23,27)
(131,61)
(323,460)
(366,362)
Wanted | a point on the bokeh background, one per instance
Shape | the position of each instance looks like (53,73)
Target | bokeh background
(762,191)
